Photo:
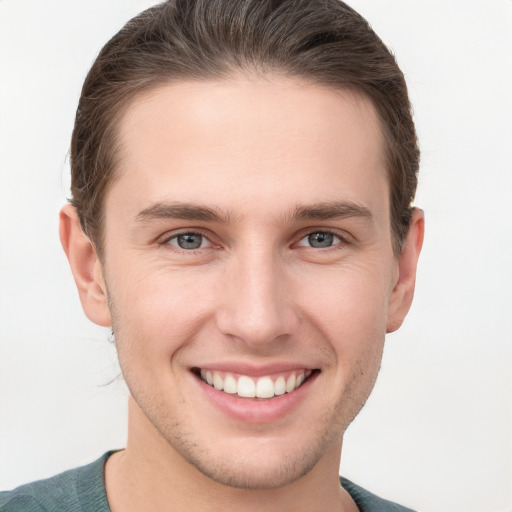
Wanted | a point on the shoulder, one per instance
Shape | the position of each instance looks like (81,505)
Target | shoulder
(76,490)
(369,502)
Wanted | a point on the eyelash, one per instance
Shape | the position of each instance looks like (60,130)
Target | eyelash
(342,241)
(166,242)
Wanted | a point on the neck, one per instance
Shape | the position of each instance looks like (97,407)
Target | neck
(151,475)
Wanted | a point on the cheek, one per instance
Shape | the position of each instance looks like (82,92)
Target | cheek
(350,304)
(155,312)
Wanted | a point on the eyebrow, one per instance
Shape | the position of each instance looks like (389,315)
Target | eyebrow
(184,211)
(331,210)
(190,211)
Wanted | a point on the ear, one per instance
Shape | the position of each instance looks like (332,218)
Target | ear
(403,291)
(86,267)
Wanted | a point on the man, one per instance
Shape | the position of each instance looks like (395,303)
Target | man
(242,180)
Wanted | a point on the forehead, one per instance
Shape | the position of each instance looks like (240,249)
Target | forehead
(236,143)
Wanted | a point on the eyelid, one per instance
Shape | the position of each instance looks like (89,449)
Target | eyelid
(343,237)
(303,242)
(205,243)
(165,239)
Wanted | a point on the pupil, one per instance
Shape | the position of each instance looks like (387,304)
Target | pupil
(320,239)
(190,241)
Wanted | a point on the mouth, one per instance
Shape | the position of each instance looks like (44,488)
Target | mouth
(264,387)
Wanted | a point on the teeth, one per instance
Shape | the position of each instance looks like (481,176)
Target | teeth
(218,383)
(279,386)
(247,387)
(290,383)
(230,385)
(265,388)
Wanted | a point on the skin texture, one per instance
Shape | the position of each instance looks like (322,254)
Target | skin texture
(256,293)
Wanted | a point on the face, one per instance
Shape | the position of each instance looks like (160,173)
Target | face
(249,270)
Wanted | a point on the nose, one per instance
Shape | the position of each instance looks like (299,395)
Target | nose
(257,306)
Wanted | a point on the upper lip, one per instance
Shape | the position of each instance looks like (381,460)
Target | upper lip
(254,370)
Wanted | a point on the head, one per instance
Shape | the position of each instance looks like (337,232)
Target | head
(242,182)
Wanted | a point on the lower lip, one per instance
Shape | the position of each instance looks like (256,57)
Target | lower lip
(252,410)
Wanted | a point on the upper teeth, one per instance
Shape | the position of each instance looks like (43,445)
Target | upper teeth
(262,387)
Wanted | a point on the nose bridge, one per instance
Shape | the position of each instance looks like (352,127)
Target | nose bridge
(256,305)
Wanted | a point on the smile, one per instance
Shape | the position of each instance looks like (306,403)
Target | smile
(249,387)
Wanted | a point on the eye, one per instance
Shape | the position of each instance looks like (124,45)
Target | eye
(320,240)
(189,241)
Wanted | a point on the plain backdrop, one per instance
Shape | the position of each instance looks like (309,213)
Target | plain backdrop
(436,433)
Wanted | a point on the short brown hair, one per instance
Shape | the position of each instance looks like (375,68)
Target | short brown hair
(323,41)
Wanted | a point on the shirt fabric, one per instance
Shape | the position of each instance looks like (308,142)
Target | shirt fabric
(83,490)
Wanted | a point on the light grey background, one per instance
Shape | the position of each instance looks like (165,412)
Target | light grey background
(436,433)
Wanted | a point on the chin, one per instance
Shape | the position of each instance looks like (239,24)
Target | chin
(256,461)
(250,473)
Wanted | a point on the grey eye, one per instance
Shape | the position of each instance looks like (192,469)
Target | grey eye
(188,241)
(321,240)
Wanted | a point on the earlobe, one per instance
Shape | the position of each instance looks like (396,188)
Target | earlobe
(86,267)
(403,291)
